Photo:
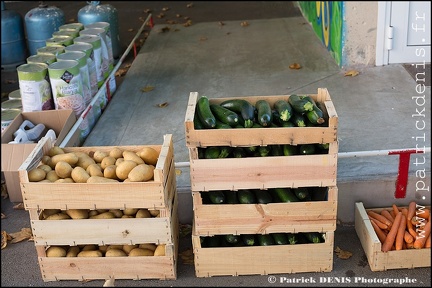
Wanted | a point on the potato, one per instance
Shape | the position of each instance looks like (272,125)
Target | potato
(154,213)
(110,172)
(104,215)
(102,210)
(56,251)
(93,213)
(73,251)
(130,211)
(63,169)
(52,176)
(45,167)
(119,160)
(36,175)
(142,213)
(107,161)
(89,247)
(66,180)
(130,155)
(149,246)
(160,250)
(55,150)
(45,181)
(140,252)
(115,253)
(149,155)
(123,169)
(79,175)
(78,213)
(128,216)
(94,170)
(141,173)
(99,155)
(114,246)
(117,212)
(116,152)
(103,248)
(48,212)
(58,216)
(99,179)
(70,158)
(84,160)
(94,253)
(45,159)
(128,248)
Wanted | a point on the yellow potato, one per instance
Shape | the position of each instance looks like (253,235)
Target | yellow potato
(89,247)
(142,213)
(110,172)
(119,160)
(94,253)
(114,246)
(160,250)
(149,246)
(36,175)
(115,253)
(107,161)
(128,248)
(45,159)
(140,252)
(103,248)
(117,212)
(130,211)
(70,158)
(55,150)
(141,173)
(66,180)
(128,216)
(73,251)
(48,212)
(104,215)
(116,152)
(98,179)
(149,155)
(45,167)
(93,213)
(84,160)
(94,170)
(52,176)
(123,169)
(58,216)
(79,175)
(154,213)
(78,213)
(63,169)
(56,251)
(99,155)
(130,155)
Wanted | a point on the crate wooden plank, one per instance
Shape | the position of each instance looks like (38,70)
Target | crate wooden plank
(214,219)
(261,136)
(263,260)
(122,195)
(263,172)
(382,261)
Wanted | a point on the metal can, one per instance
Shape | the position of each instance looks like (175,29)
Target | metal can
(53,50)
(34,87)
(74,26)
(96,42)
(59,41)
(107,63)
(14,95)
(7,116)
(42,58)
(66,32)
(108,39)
(11,104)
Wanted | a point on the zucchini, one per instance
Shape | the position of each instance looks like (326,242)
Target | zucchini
(197,122)
(221,125)
(265,116)
(248,239)
(286,195)
(224,115)
(205,198)
(265,239)
(300,104)
(263,196)
(289,150)
(316,116)
(280,238)
(298,119)
(201,153)
(284,110)
(242,107)
(313,237)
(232,239)
(231,197)
(264,151)
(204,113)
(307,149)
(292,238)
(238,152)
(216,197)
(246,196)
(257,125)
(287,124)
(276,150)
(225,151)
(250,150)
(301,193)
(212,241)
(212,152)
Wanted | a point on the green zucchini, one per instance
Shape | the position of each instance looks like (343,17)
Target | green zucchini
(264,151)
(232,239)
(231,197)
(289,150)
(197,122)
(302,193)
(225,151)
(248,239)
(298,119)
(213,241)
(300,104)
(242,107)
(284,110)
(216,197)
(307,149)
(221,125)
(246,196)
(212,152)
(224,115)
(250,150)
(287,124)
(316,116)
(265,116)
(265,240)
(292,238)
(286,195)
(201,153)
(280,238)
(263,196)
(313,237)
(257,125)
(238,152)
(276,150)
(204,113)
(205,198)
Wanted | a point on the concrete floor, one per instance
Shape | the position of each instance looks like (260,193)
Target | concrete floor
(374,109)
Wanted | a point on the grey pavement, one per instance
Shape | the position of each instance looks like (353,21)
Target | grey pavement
(374,108)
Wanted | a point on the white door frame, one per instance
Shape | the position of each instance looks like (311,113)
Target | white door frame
(383,21)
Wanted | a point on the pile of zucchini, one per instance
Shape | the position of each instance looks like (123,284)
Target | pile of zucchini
(231,240)
(259,196)
(214,152)
(298,111)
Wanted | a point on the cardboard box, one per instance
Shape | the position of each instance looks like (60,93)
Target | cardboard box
(382,261)
(13,155)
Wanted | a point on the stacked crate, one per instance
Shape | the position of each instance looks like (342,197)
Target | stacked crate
(157,194)
(232,174)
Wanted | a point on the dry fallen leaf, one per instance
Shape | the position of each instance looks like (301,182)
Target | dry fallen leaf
(188,23)
(342,254)
(171,22)
(130,29)
(19,206)
(221,23)
(244,24)
(165,8)
(161,15)
(178,15)
(141,19)
(109,282)
(295,66)
(352,73)
(147,10)
(147,88)
(187,257)
(4,238)
(4,193)
(185,230)
(162,105)
(186,18)
(121,72)
(178,172)
(203,38)
(3,216)
(164,29)
(24,234)
(190,5)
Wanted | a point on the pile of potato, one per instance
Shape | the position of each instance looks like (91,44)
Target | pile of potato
(92,250)
(57,214)
(117,165)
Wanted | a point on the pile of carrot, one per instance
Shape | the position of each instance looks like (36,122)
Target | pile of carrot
(400,228)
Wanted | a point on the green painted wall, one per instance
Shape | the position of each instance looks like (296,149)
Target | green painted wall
(327,20)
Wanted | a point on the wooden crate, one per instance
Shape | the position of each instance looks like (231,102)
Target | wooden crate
(151,194)
(382,261)
(263,172)
(263,260)
(213,219)
(261,136)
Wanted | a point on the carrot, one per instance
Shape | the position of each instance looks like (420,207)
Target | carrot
(410,245)
(428,242)
(420,241)
(391,236)
(387,214)
(424,213)
(379,224)
(395,209)
(379,232)
(408,237)
(409,225)
(411,210)
(392,213)
(400,233)
(379,217)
